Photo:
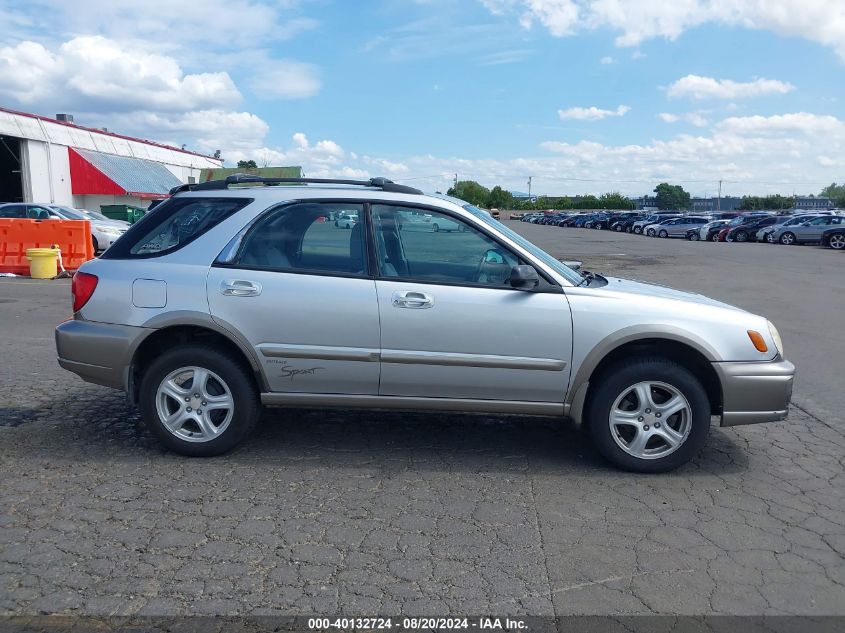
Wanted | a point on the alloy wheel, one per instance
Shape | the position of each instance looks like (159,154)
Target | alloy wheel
(837,241)
(194,404)
(650,420)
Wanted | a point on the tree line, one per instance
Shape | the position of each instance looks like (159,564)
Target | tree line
(498,198)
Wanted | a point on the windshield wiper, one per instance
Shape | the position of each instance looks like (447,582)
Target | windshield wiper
(588,277)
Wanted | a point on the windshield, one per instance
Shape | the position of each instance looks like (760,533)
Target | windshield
(67,212)
(95,215)
(536,251)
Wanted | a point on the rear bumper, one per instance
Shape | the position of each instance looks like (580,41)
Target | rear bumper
(99,353)
(755,392)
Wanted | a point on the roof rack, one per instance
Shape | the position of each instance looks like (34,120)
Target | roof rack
(247,179)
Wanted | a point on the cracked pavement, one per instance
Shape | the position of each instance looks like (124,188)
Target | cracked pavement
(360,513)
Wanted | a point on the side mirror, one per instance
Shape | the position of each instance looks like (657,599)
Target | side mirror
(524,277)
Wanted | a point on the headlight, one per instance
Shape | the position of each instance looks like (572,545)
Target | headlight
(776,337)
(108,230)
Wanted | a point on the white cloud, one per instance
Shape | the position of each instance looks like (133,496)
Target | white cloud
(607,59)
(592,113)
(176,24)
(698,87)
(286,79)
(821,21)
(752,155)
(796,125)
(96,73)
(695,118)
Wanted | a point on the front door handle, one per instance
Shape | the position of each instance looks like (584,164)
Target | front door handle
(412,299)
(240,288)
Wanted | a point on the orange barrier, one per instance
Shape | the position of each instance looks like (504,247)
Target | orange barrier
(73,237)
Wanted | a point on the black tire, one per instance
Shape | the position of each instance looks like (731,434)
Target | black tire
(714,237)
(788,238)
(663,233)
(94,243)
(629,229)
(694,237)
(247,404)
(618,228)
(615,380)
(836,243)
(638,230)
(741,236)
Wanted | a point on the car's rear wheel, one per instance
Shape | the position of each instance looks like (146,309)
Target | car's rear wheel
(693,237)
(648,415)
(714,237)
(837,241)
(787,238)
(198,401)
(618,228)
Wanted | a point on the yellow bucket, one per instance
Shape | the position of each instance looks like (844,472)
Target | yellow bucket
(43,262)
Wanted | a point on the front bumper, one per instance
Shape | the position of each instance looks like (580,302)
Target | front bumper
(100,353)
(755,392)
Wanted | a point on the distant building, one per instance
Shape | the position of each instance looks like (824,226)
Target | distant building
(813,203)
(645,203)
(267,172)
(521,195)
(55,161)
(706,205)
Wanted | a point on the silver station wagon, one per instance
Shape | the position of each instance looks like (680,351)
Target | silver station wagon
(239,293)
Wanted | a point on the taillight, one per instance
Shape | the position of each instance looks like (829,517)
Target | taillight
(82,287)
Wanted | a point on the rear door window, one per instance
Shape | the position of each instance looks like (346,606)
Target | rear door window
(173,224)
(303,238)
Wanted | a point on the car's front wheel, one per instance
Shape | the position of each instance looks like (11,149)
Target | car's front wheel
(198,401)
(693,237)
(741,236)
(787,238)
(663,233)
(648,415)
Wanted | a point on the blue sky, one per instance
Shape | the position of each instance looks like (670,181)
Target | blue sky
(581,95)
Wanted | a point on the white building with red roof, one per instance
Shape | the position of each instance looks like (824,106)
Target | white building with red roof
(55,161)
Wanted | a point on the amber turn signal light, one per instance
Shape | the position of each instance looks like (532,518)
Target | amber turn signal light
(758,340)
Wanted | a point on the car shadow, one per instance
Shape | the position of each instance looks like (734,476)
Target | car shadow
(92,423)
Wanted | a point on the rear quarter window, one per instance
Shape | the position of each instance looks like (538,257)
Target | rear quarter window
(172,225)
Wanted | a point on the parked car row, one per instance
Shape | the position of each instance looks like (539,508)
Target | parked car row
(104,231)
(824,227)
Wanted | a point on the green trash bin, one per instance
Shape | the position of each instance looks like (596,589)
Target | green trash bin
(122,212)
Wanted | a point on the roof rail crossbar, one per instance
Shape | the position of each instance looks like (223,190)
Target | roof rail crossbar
(245,179)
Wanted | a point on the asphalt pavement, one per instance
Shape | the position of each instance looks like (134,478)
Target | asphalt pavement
(358,513)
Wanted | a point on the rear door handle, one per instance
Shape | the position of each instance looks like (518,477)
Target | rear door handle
(412,299)
(240,288)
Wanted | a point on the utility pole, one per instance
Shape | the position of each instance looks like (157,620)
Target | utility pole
(719,200)
(456,182)
(529,188)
